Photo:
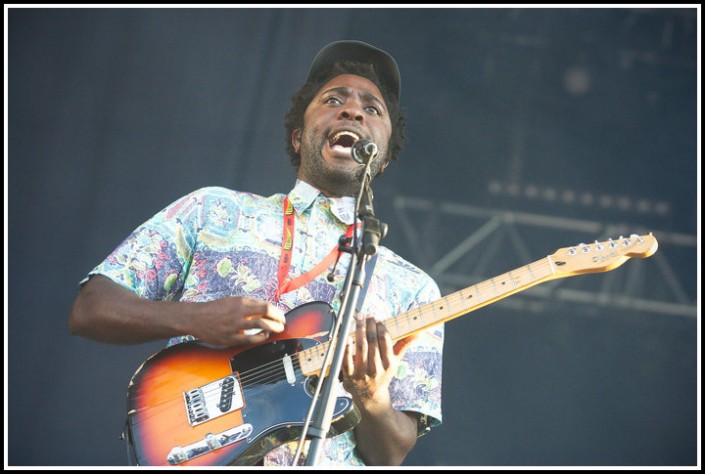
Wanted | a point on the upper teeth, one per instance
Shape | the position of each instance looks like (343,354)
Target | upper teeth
(337,136)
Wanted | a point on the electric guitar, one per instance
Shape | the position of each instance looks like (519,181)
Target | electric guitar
(191,404)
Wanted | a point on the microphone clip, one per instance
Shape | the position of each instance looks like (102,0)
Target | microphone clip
(343,246)
(364,151)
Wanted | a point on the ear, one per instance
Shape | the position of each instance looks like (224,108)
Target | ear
(296,140)
(384,166)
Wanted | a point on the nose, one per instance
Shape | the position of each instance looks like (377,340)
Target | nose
(352,111)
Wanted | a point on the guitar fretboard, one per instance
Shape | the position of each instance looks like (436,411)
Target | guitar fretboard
(448,307)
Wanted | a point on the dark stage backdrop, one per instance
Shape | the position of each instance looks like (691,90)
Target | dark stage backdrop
(529,130)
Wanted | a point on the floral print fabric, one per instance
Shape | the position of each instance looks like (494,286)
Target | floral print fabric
(216,242)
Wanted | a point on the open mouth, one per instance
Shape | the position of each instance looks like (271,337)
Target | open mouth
(342,140)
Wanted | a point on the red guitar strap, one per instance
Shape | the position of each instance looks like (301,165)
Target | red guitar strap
(284,283)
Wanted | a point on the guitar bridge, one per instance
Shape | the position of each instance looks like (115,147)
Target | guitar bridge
(210,442)
(214,399)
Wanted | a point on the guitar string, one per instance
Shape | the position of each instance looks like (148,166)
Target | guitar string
(255,377)
(253,381)
(249,389)
(480,288)
(271,371)
(263,374)
(266,373)
(249,377)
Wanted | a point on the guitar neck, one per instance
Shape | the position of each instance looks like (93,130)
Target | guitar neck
(450,307)
(469,299)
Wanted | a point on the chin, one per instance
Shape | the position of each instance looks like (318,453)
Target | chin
(339,183)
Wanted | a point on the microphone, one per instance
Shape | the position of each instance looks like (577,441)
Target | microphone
(364,151)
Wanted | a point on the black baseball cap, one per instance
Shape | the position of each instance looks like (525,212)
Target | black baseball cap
(358,51)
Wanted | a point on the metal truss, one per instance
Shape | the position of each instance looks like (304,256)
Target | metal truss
(493,241)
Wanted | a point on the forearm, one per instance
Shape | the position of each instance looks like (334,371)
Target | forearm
(106,312)
(384,435)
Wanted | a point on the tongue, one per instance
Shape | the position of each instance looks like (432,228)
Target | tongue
(340,148)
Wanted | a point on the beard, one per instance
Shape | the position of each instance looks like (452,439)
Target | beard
(342,180)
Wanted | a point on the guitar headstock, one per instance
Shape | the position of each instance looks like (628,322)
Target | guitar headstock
(602,256)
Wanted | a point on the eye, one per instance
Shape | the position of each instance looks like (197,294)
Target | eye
(373,109)
(332,100)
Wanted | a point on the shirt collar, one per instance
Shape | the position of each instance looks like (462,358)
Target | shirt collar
(304,195)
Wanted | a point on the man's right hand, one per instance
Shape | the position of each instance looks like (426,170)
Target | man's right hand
(107,312)
(236,321)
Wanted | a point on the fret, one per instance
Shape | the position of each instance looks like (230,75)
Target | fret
(398,325)
(528,267)
(504,284)
(441,308)
(492,290)
(550,262)
(412,319)
(511,278)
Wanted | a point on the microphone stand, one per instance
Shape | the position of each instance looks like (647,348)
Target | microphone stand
(372,231)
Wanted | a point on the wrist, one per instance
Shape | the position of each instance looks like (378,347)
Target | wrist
(373,403)
(178,317)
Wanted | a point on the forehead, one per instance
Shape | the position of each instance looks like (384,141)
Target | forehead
(357,83)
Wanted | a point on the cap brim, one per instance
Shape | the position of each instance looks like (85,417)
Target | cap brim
(358,51)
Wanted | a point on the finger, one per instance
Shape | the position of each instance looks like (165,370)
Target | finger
(348,363)
(373,356)
(275,314)
(261,315)
(263,309)
(386,345)
(244,338)
(360,347)
(258,324)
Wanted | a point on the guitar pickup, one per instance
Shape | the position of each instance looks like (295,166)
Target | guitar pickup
(214,399)
(226,394)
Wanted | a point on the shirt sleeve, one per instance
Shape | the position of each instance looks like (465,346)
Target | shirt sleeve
(417,385)
(154,259)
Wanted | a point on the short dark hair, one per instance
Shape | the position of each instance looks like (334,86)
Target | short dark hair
(295,116)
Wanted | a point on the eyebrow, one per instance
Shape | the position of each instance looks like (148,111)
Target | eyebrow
(347,91)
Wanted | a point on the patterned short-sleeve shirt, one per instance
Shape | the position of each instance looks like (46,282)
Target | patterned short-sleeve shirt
(216,242)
